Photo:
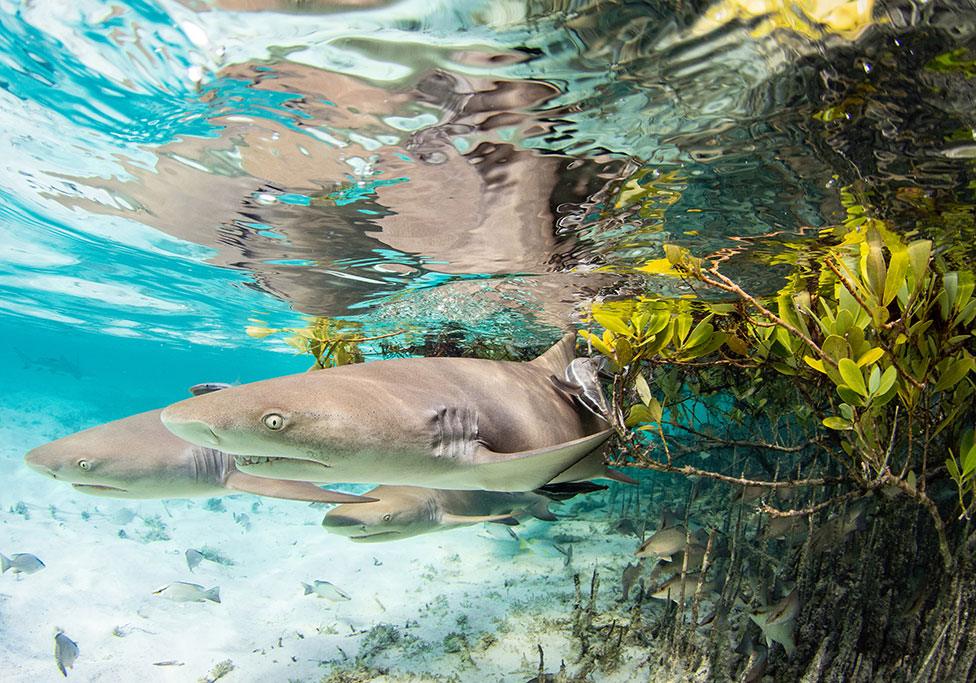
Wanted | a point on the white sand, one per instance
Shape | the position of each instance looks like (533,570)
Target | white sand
(98,587)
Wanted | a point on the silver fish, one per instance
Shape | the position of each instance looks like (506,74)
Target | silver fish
(193,558)
(672,589)
(324,589)
(122,516)
(181,591)
(778,622)
(629,578)
(65,652)
(667,542)
(20,563)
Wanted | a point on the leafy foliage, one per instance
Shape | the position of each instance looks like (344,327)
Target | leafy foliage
(876,329)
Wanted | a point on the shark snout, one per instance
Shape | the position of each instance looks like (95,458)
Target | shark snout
(39,460)
(340,521)
(189,429)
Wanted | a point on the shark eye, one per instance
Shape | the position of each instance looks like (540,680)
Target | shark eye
(387,517)
(273,421)
(84,464)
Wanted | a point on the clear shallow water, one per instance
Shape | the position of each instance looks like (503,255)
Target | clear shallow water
(173,174)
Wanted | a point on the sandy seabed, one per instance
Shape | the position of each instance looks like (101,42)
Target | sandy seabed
(465,604)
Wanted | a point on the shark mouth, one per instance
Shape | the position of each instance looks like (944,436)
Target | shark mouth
(251,460)
(366,536)
(98,487)
(248,460)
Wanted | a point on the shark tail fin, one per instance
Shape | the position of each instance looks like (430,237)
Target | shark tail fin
(568,490)
(213,594)
(5,564)
(528,470)
(558,356)
(308,589)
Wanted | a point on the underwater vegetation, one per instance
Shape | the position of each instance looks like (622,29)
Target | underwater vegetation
(854,382)
(639,341)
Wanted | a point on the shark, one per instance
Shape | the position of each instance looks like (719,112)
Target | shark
(137,457)
(405,511)
(451,423)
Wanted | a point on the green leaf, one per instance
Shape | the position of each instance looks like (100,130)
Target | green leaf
(623,351)
(836,347)
(888,378)
(643,390)
(849,395)
(815,363)
(844,322)
(950,287)
(655,410)
(918,256)
(871,356)
(674,253)
(897,270)
(955,372)
(597,343)
(614,324)
(682,325)
(967,453)
(700,334)
(874,380)
(836,423)
(953,470)
(657,323)
(852,376)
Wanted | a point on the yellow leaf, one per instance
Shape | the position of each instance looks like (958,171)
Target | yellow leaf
(870,356)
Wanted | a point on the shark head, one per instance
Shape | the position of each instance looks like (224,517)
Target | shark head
(400,512)
(129,458)
(288,427)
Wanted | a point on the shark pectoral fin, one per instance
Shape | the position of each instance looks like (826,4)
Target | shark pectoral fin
(528,470)
(208,387)
(541,511)
(618,476)
(567,390)
(507,520)
(568,490)
(289,490)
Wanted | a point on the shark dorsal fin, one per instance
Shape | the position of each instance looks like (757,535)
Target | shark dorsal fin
(558,356)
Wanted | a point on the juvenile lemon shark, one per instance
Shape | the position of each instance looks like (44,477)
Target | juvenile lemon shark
(452,423)
(404,511)
(137,457)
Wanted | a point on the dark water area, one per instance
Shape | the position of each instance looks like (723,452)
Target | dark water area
(201,191)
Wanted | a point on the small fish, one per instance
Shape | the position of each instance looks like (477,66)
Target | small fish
(65,652)
(243,520)
(778,621)
(567,553)
(168,662)
(625,526)
(193,558)
(672,588)
(665,543)
(834,532)
(20,563)
(122,516)
(629,578)
(181,591)
(324,589)
(784,528)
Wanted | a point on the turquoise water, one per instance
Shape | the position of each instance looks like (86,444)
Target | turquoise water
(186,185)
